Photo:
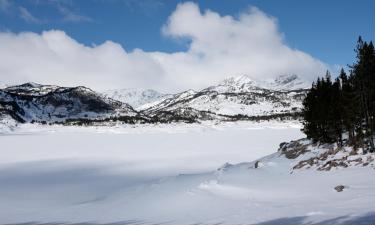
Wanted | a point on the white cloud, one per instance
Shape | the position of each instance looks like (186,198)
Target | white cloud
(147,7)
(53,57)
(27,16)
(65,11)
(221,46)
(4,5)
(70,16)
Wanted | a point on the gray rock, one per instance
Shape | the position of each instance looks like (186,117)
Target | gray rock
(339,188)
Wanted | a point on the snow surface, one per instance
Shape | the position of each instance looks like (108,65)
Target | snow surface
(167,174)
(178,148)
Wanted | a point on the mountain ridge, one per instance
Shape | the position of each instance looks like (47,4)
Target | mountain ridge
(245,83)
(136,97)
(31,102)
(238,97)
(235,98)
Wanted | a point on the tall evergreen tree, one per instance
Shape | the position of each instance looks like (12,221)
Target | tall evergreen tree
(349,106)
(364,73)
(310,106)
(346,105)
(336,112)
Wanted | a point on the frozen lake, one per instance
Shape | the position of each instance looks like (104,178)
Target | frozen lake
(163,149)
(167,174)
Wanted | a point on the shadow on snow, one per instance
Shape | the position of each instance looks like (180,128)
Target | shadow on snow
(367,219)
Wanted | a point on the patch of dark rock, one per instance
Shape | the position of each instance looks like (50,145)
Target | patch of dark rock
(293,149)
(339,188)
(333,164)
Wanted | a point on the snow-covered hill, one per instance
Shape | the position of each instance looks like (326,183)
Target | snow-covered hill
(239,97)
(136,97)
(47,103)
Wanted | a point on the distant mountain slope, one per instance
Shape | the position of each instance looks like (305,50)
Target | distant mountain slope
(136,97)
(246,84)
(238,97)
(34,102)
(287,82)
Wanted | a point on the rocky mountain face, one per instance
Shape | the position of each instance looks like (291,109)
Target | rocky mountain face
(238,98)
(32,102)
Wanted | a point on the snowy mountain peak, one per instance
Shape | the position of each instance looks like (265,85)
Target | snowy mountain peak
(234,85)
(31,88)
(136,97)
(238,81)
(31,85)
(245,84)
(47,103)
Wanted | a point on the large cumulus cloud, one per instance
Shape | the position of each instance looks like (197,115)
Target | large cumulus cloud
(220,46)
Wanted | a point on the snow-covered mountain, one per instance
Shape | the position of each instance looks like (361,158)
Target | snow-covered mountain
(246,84)
(287,82)
(237,98)
(136,97)
(48,103)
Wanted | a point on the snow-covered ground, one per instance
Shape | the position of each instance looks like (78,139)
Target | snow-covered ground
(171,149)
(167,174)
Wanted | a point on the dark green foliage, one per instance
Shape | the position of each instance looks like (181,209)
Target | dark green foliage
(346,105)
(322,116)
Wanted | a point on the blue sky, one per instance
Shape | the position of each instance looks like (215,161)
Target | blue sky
(302,37)
(325,29)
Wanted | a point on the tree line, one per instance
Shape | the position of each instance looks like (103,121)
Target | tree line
(343,110)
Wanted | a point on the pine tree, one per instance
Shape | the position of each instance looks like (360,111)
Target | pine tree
(336,113)
(345,105)
(309,114)
(349,106)
(321,108)
(363,71)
